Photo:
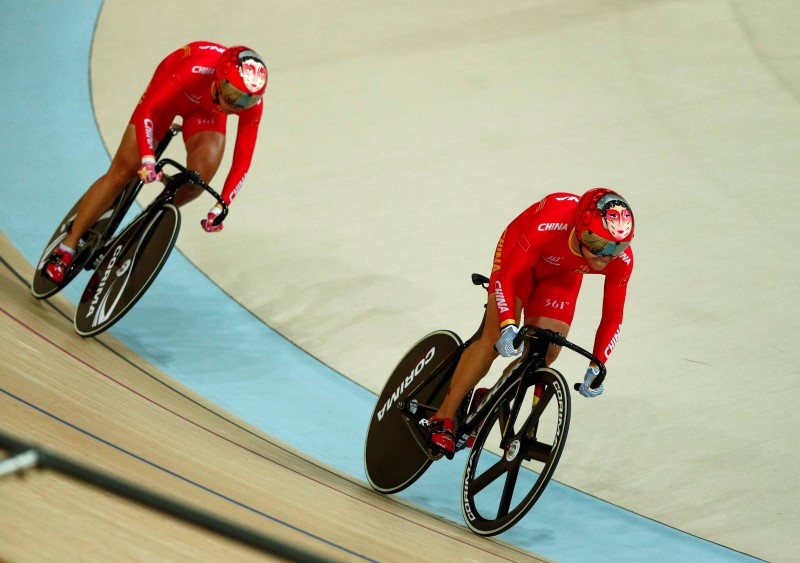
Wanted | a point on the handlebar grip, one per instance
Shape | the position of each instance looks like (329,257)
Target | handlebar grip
(598,381)
(193,177)
(479,279)
(518,339)
(221,217)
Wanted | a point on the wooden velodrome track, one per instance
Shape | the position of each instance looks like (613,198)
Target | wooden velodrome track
(97,403)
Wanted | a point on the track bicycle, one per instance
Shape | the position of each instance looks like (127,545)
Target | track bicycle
(124,264)
(515,431)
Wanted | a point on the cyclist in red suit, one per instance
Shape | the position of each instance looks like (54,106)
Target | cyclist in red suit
(203,83)
(539,265)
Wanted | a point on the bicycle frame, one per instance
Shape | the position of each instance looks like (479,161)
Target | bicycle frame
(522,375)
(525,415)
(185,176)
(519,375)
(126,199)
(167,195)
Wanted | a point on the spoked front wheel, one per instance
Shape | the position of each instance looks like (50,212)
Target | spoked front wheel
(131,264)
(515,453)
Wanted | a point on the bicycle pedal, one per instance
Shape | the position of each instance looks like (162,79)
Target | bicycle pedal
(437,454)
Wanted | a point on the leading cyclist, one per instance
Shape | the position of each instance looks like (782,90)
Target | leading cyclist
(539,265)
(203,83)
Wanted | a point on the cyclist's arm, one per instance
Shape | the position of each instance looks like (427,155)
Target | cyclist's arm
(166,84)
(246,135)
(515,257)
(614,293)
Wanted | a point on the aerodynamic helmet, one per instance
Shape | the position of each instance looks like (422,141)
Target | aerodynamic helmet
(604,222)
(240,77)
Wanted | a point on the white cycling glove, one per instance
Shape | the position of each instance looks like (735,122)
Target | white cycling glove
(587,391)
(505,344)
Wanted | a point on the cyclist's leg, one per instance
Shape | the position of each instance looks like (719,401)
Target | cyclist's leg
(551,305)
(204,137)
(556,326)
(548,303)
(475,362)
(101,194)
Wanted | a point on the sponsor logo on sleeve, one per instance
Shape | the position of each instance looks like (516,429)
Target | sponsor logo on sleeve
(611,345)
(500,298)
(148,132)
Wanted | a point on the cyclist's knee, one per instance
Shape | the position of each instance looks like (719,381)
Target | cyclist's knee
(485,347)
(555,325)
(107,187)
(204,151)
(187,193)
(552,354)
(126,160)
(119,173)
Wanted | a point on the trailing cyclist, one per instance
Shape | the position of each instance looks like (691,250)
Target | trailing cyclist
(538,268)
(203,83)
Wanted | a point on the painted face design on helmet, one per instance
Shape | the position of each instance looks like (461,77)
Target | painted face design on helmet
(254,73)
(240,78)
(604,222)
(617,216)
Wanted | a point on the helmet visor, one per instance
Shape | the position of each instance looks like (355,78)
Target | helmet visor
(234,97)
(599,246)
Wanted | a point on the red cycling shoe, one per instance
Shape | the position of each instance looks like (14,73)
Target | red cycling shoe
(57,264)
(442,436)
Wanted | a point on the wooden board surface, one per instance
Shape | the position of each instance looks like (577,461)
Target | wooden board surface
(97,403)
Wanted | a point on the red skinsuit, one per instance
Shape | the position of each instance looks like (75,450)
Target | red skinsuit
(535,264)
(181,85)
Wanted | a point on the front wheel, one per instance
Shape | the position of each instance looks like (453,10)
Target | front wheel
(131,264)
(527,427)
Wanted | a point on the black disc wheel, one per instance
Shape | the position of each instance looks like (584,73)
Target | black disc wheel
(133,260)
(396,452)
